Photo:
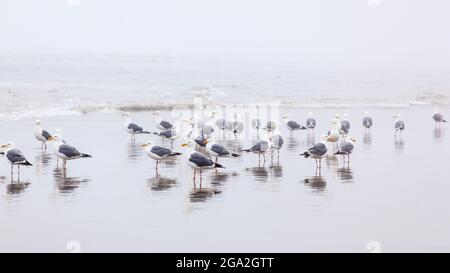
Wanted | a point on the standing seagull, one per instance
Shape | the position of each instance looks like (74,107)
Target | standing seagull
(345,125)
(310,122)
(66,152)
(132,128)
(277,142)
(367,121)
(292,125)
(161,124)
(438,117)
(198,161)
(346,149)
(157,153)
(14,157)
(317,151)
(260,148)
(218,150)
(170,134)
(399,125)
(333,134)
(41,134)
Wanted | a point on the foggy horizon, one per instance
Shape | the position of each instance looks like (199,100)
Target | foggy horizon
(354,33)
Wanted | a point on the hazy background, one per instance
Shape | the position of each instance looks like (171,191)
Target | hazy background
(360,33)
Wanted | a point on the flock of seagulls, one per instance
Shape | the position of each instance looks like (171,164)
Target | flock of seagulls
(202,152)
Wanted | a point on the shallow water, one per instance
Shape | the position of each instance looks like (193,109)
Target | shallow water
(395,192)
(46,85)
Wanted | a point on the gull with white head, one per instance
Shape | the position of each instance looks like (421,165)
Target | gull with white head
(132,128)
(40,134)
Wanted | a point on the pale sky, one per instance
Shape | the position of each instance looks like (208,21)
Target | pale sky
(405,32)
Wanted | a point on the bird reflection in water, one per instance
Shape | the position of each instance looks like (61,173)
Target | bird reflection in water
(66,184)
(41,161)
(202,194)
(317,183)
(134,151)
(345,174)
(399,144)
(437,133)
(310,140)
(367,139)
(15,188)
(159,183)
(332,161)
(260,174)
(276,171)
(218,178)
(292,144)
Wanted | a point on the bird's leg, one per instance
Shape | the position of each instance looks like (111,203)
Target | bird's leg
(264,157)
(12,172)
(45,145)
(259,159)
(278,157)
(18,173)
(201,179)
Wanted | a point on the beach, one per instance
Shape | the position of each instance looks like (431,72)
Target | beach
(393,195)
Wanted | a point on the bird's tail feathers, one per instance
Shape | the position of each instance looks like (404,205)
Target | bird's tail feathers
(340,153)
(217,165)
(175,154)
(85,155)
(444,120)
(305,154)
(245,150)
(146,132)
(235,155)
(26,163)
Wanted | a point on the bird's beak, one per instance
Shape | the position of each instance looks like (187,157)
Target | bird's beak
(184,145)
(144,145)
(354,140)
(206,141)
(51,138)
(4,146)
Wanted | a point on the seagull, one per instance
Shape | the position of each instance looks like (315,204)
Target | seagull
(345,125)
(260,148)
(14,157)
(333,134)
(292,125)
(438,117)
(399,125)
(65,151)
(256,124)
(238,125)
(317,151)
(367,121)
(218,150)
(41,134)
(221,124)
(157,153)
(207,128)
(310,121)
(55,144)
(132,128)
(171,134)
(198,161)
(161,124)
(271,126)
(277,142)
(346,149)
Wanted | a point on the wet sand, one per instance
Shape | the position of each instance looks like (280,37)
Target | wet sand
(395,192)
